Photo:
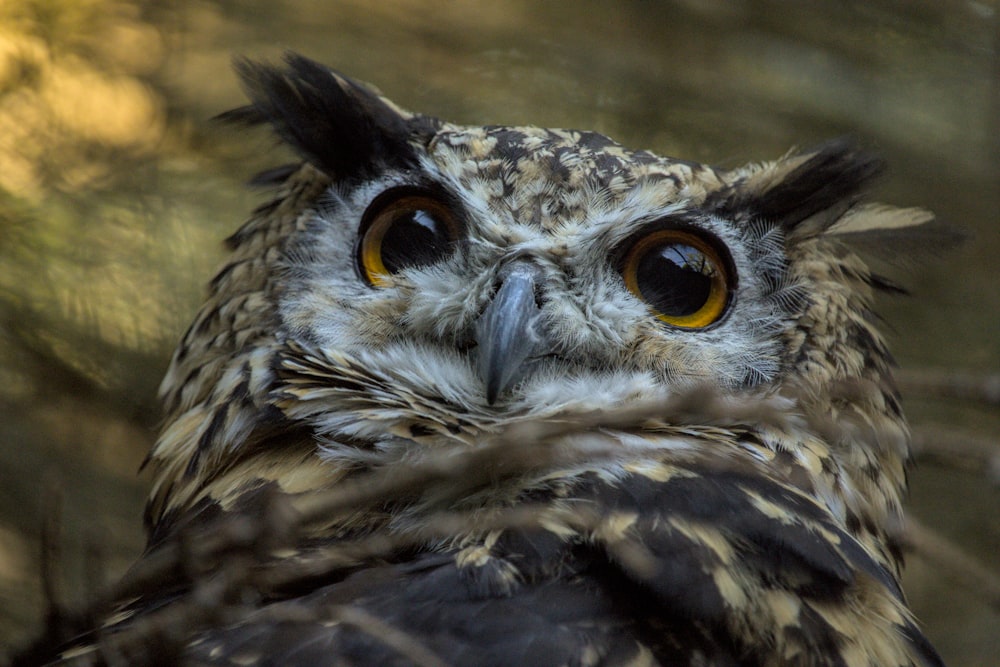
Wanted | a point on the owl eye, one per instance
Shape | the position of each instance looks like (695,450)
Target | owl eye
(404,228)
(681,275)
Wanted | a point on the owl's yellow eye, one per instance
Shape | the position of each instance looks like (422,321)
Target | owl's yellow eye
(681,275)
(404,228)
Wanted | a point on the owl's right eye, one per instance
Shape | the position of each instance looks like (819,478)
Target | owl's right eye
(404,228)
(683,276)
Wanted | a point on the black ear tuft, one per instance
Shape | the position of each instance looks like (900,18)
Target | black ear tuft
(796,188)
(340,126)
(833,173)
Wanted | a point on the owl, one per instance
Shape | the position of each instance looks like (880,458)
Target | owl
(488,395)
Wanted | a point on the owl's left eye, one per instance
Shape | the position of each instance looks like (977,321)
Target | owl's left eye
(682,275)
(404,228)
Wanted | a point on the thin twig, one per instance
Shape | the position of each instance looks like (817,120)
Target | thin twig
(398,640)
(924,383)
(51,556)
(960,451)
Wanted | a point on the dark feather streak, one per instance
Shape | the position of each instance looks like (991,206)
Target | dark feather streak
(832,177)
(835,172)
(338,125)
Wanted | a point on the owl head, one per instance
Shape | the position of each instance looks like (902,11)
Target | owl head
(415,282)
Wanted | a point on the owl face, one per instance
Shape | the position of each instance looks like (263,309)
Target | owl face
(415,281)
(519,269)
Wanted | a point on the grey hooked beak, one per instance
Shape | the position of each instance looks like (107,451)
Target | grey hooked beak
(508,333)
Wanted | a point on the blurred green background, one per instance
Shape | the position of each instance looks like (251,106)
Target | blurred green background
(116,189)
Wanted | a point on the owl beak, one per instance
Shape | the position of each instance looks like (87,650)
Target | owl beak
(508,333)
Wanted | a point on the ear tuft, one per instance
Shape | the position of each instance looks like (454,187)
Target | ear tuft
(818,192)
(895,235)
(803,193)
(342,127)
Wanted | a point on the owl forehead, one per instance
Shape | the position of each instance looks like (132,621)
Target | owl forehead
(548,177)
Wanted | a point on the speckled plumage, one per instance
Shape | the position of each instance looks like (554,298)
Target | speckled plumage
(638,494)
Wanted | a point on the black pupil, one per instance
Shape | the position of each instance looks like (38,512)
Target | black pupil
(415,238)
(675,278)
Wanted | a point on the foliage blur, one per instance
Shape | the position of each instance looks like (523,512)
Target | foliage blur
(116,188)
